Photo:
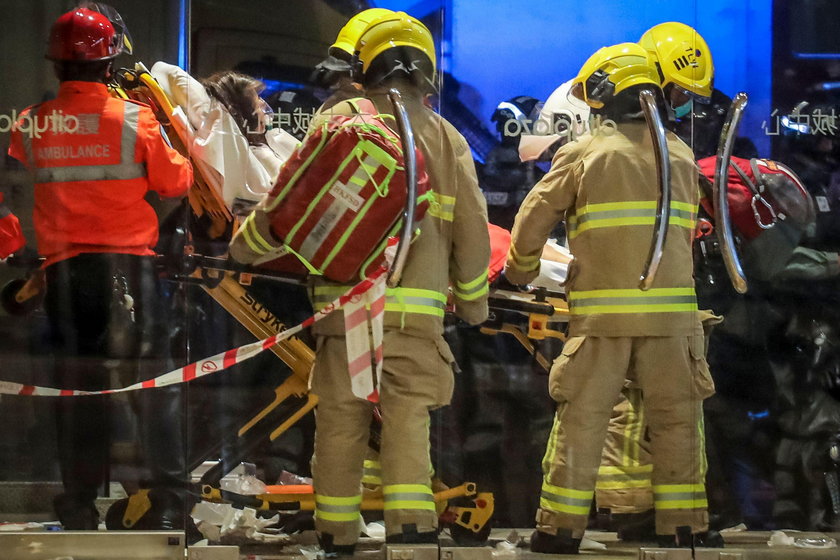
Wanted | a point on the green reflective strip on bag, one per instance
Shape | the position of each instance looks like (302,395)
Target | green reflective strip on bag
(630,213)
(657,300)
(408,496)
(321,143)
(565,500)
(317,198)
(338,508)
(680,496)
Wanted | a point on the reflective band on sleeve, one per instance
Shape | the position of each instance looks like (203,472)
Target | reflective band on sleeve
(442,207)
(657,300)
(680,496)
(338,508)
(372,473)
(524,263)
(469,291)
(408,496)
(126,170)
(565,500)
(632,213)
(252,237)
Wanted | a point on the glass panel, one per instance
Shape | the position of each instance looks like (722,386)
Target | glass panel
(138,285)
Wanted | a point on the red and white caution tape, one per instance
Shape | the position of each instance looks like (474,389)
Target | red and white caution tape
(363,325)
(219,362)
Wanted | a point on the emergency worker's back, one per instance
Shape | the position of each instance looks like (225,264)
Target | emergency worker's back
(93,170)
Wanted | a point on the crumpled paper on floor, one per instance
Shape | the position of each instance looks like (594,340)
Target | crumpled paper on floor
(223,521)
(780,539)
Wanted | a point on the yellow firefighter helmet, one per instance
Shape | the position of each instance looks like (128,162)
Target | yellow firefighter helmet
(682,57)
(611,70)
(345,43)
(387,35)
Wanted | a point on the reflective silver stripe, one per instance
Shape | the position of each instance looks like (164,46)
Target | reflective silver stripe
(128,141)
(332,508)
(634,213)
(125,170)
(26,138)
(410,497)
(677,496)
(90,173)
(663,300)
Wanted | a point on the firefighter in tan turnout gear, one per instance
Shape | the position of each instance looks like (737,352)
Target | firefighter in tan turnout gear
(452,250)
(605,187)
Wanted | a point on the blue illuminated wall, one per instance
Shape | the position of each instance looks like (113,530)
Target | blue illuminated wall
(501,49)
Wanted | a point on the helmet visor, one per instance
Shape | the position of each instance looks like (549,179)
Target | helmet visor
(122,38)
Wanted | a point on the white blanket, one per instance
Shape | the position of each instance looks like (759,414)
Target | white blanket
(243,171)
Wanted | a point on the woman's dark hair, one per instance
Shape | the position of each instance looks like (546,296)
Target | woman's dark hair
(238,93)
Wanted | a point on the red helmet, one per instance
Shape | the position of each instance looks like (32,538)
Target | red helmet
(83,35)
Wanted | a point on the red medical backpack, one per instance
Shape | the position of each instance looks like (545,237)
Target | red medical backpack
(341,195)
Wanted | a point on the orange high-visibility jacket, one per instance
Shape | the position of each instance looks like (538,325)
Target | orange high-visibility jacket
(11,236)
(94,158)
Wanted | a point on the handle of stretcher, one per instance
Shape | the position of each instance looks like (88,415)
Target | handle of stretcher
(505,304)
(663,173)
(721,193)
(407,140)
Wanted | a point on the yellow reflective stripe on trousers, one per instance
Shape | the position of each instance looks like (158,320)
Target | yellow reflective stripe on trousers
(617,478)
(470,291)
(633,431)
(630,213)
(442,206)
(408,496)
(372,473)
(126,169)
(398,300)
(633,300)
(679,496)
(338,508)
(565,500)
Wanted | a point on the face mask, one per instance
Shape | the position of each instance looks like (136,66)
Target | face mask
(684,109)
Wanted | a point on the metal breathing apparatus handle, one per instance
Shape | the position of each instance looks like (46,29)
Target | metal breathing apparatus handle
(663,174)
(721,192)
(407,140)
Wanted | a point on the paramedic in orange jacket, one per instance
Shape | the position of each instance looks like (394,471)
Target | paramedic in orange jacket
(93,159)
(451,249)
(604,186)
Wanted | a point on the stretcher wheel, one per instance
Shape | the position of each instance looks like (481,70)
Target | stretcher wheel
(466,537)
(11,305)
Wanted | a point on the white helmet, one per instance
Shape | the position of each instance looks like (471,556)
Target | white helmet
(562,118)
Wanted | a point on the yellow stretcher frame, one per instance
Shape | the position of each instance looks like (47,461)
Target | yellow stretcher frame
(226,288)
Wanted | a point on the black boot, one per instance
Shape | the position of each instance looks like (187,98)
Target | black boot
(410,535)
(332,550)
(76,515)
(561,543)
(635,527)
(684,538)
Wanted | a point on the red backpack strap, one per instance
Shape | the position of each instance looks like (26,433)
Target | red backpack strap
(362,106)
